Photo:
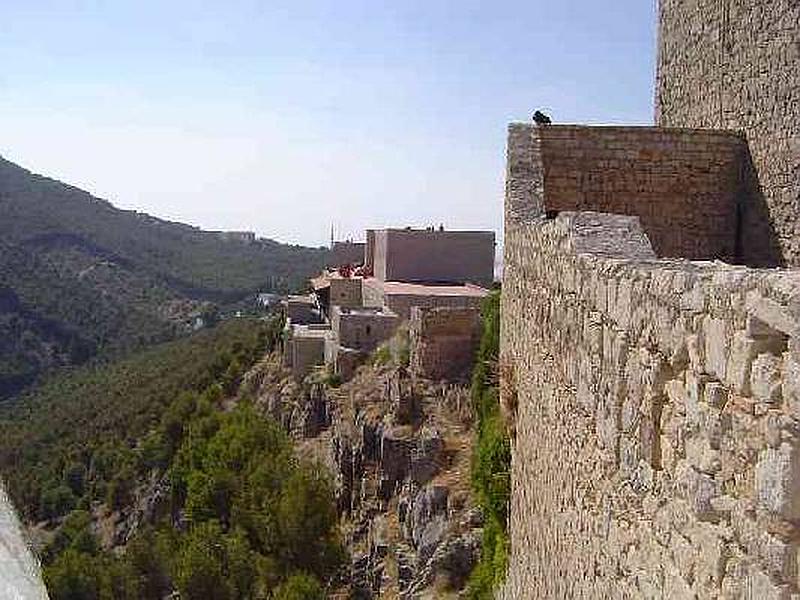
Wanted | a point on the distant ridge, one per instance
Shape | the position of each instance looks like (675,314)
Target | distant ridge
(79,277)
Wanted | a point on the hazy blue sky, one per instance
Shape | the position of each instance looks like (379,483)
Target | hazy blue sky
(284,117)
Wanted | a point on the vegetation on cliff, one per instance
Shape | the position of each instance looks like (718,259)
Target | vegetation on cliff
(491,466)
(238,515)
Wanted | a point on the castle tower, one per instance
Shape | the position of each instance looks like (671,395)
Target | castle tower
(735,64)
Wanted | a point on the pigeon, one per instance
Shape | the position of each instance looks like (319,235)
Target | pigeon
(540,118)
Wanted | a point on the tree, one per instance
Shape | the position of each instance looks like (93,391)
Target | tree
(199,570)
(73,576)
(300,587)
(307,520)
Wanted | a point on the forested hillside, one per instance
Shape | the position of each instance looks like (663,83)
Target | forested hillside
(79,277)
(161,454)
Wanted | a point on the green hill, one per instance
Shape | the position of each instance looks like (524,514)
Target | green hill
(79,277)
(155,474)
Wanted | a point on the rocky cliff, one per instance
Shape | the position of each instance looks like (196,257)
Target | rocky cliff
(399,448)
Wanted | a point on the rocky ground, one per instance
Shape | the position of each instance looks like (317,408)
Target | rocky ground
(399,449)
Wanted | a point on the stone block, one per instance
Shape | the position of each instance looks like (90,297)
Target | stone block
(715,394)
(777,481)
(668,453)
(607,424)
(770,313)
(717,344)
(778,556)
(760,585)
(676,392)
(710,551)
(631,415)
(679,358)
(593,333)
(676,587)
(743,351)
(698,489)
(695,346)
(684,556)
(693,300)
(629,455)
(765,378)
(701,455)
(790,384)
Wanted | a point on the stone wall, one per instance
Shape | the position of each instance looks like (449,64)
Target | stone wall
(402,304)
(363,329)
(346,292)
(304,349)
(733,64)
(301,309)
(657,448)
(684,185)
(434,256)
(369,253)
(443,342)
(372,292)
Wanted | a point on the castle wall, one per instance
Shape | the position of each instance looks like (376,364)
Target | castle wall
(369,253)
(363,329)
(304,349)
(346,291)
(372,292)
(443,342)
(402,304)
(733,64)
(684,185)
(657,449)
(300,309)
(441,256)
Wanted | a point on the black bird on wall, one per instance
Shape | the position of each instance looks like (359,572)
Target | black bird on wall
(540,118)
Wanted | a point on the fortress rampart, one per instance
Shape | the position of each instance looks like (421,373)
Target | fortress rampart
(655,400)
(657,450)
(733,64)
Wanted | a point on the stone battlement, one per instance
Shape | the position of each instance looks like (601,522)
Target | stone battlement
(734,65)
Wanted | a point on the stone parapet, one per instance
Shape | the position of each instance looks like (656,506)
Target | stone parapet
(657,407)
(684,185)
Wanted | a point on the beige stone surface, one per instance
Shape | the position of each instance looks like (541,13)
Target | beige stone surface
(443,342)
(734,65)
(656,451)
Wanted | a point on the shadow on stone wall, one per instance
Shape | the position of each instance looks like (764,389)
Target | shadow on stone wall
(756,239)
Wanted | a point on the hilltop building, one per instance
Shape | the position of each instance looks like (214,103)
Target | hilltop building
(356,305)
(430,256)
(241,237)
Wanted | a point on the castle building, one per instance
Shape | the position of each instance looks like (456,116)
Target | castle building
(401,275)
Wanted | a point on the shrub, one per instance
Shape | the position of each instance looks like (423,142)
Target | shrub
(300,587)
(491,462)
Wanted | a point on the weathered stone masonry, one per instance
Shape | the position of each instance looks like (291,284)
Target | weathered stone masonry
(733,64)
(683,184)
(655,401)
(657,450)
(443,342)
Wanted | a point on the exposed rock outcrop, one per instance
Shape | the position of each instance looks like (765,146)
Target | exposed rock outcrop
(399,449)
